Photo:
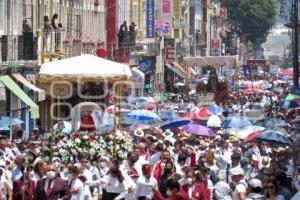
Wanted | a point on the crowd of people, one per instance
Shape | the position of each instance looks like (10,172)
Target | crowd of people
(169,164)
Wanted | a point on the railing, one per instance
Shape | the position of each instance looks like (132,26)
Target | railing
(59,41)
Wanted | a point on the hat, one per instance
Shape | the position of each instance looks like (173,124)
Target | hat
(56,159)
(168,133)
(233,138)
(265,162)
(237,171)
(139,133)
(170,139)
(255,183)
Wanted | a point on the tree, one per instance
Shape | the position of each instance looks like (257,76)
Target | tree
(252,18)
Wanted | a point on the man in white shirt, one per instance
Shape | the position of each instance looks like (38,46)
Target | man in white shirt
(237,178)
(145,184)
(75,185)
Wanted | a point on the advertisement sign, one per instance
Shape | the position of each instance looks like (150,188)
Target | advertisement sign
(170,54)
(150,18)
(166,6)
(147,64)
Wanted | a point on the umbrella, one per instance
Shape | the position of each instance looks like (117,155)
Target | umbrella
(139,126)
(238,122)
(214,121)
(65,127)
(215,109)
(168,115)
(274,122)
(273,137)
(175,124)
(204,113)
(9,121)
(111,109)
(252,90)
(291,97)
(179,84)
(250,137)
(198,130)
(149,106)
(142,116)
(242,134)
(287,72)
(193,116)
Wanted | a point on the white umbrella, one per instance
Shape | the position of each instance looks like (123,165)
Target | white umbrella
(214,121)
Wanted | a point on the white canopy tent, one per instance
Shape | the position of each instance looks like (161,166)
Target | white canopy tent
(84,68)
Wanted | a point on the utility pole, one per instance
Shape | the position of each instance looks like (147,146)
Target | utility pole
(295,52)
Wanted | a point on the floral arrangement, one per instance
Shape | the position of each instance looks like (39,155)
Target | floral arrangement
(70,146)
(123,145)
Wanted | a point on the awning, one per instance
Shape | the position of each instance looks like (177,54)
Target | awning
(175,70)
(2,92)
(24,81)
(14,88)
(192,71)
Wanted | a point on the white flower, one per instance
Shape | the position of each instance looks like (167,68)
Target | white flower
(85,137)
(77,141)
(92,152)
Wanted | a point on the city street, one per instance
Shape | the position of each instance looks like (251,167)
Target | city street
(149,100)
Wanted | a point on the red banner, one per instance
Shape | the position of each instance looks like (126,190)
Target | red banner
(166,6)
(110,26)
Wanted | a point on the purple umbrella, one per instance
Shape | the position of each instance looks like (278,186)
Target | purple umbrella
(198,130)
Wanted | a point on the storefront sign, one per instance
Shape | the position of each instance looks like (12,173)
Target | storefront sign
(170,54)
(150,19)
(166,6)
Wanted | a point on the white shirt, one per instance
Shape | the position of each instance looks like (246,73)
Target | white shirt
(16,174)
(78,185)
(154,158)
(240,187)
(145,186)
(222,191)
(112,185)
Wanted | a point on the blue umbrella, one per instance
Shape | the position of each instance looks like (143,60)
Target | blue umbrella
(275,122)
(9,121)
(215,109)
(168,115)
(142,116)
(175,124)
(273,137)
(237,122)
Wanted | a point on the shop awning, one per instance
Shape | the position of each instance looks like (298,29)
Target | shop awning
(2,92)
(25,82)
(15,89)
(175,70)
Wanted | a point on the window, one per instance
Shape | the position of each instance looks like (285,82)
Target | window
(78,25)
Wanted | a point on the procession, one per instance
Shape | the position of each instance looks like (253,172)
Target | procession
(149,100)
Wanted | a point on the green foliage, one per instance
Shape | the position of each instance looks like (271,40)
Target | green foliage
(254,18)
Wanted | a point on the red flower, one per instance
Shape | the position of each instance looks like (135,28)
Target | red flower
(91,138)
(75,135)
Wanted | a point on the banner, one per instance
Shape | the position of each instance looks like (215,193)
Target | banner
(150,19)
(166,6)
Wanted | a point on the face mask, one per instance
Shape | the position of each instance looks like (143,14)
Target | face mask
(102,164)
(169,193)
(31,174)
(56,164)
(51,175)
(189,181)
(70,176)
(46,158)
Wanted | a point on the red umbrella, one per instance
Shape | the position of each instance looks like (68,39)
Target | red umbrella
(192,116)
(204,113)
(250,137)
(149,106)
(287,72)
(252,90)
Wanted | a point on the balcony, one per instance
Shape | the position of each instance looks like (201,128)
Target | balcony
(61,43)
